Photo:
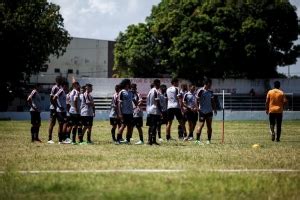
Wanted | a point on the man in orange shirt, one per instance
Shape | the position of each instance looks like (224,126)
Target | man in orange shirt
(274,108)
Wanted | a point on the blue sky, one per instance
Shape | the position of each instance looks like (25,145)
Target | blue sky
(104,19)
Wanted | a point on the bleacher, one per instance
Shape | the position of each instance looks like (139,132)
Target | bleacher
(234,102)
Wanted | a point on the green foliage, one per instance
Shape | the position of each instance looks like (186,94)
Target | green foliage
(220,39)
(30,30)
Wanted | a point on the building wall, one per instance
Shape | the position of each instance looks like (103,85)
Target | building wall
(84,57)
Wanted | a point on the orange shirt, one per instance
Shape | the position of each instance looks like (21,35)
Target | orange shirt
(275,101)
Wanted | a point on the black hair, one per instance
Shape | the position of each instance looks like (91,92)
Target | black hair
(124,82)
(88,85)
(207,81)
(277,84)
(174,80)
(156,82)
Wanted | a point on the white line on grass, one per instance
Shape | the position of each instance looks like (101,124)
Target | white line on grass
(254,170)
(101,171)
(157,171)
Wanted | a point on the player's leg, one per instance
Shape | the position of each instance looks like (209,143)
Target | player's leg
(278,126)
(272,120)
(52,122)
(129,123)
(200,127)
(169,124)
(113,123)
(181,120)
(89,130)
(139,125)
(209,118)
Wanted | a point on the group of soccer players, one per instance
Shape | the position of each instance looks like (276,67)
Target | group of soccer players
(73,109)
(162,105)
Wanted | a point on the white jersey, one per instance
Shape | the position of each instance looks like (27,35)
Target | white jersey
(113,106)
(153,96)
(74,96)
(35,101)
(137,99)
(87,105)
(54,90)
(61,100)
(173,97)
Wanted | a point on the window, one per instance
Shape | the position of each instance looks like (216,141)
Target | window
(56,70)
(77,72)
(70,71)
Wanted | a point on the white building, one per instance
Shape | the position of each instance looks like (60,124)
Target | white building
(83,58)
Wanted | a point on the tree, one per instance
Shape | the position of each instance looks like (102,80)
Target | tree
(220,39)
(30,31)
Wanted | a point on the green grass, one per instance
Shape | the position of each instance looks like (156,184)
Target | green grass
(196,182)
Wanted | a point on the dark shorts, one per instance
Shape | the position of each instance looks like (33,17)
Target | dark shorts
(87,120)
(164,119)
(205,116)
(154,120)
(191,116)
(115,121)
(74,120)
(138,122)
(127,119)
(174,112)
(35,118)
(53,116)
(275,118)
(62,117)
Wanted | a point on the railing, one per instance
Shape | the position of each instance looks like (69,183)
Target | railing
(236,102)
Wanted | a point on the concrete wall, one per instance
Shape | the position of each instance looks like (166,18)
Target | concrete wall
(86,57)
(229,115)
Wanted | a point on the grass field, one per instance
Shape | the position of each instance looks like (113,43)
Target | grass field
(201,175)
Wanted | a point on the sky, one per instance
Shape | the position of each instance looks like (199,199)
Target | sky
(104,19)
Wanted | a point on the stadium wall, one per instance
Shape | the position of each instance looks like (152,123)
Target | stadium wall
(104,115)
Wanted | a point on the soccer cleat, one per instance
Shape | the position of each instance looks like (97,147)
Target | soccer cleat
(117,142)
(74,143)
(82,143)
(190,139)
(198,142)
(67,141)
(208,142)
(38,140)
(90,142)
(160,139)
(273,137)
(50,142)
(139,142)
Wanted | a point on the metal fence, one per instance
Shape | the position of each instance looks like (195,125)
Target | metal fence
(235,102)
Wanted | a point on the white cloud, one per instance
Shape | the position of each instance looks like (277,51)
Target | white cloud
(103,7)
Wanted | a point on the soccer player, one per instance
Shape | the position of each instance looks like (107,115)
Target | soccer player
(206,105)
(125,111)
(74,110)
(164,108)
(191,113)
(174,108)
(113,115)
(87,113)
(182,92)
(275,102)
(137,112)
(34,100)
(53,114)
(148,115)
(61,109)
(154,111)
